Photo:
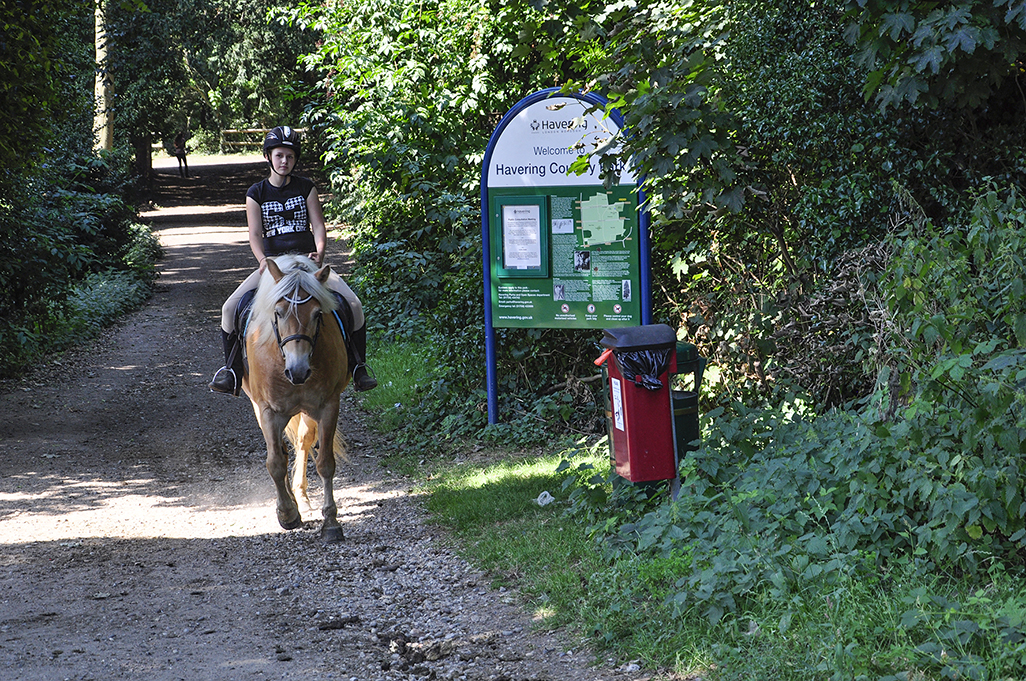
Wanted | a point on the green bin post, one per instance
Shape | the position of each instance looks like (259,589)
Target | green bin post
(685,402)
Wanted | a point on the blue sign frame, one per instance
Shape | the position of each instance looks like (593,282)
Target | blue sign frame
(645,282)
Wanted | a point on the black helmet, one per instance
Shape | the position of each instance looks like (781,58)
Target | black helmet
(282,136)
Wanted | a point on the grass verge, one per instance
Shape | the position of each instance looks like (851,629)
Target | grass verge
(403,371)
(901,624)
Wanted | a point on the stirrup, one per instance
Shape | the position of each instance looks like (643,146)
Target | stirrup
(222,386)
(365,381)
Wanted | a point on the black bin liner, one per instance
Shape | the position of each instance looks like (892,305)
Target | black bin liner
(642,353)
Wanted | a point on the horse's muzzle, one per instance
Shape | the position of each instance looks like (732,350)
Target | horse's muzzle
(297,376)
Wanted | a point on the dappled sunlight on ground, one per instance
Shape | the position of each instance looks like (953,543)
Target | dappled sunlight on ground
(66,509)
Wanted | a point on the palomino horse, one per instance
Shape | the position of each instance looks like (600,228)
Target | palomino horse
(297,369)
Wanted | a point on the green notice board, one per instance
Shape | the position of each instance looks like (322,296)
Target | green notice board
(571,261)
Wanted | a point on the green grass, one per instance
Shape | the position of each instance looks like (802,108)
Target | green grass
(494,513)
(904,623)
(403,371)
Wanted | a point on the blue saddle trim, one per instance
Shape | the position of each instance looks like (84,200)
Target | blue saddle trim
(242,314)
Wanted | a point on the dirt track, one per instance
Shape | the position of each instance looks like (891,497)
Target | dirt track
(137,529)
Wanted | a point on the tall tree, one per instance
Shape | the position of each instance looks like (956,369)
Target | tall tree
(31,67)
(244,65)
(146,64)
(103,123)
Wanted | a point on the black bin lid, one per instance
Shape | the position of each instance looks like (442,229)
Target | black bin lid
(648,337)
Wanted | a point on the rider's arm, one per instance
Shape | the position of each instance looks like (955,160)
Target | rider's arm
(320,233)
(254,220)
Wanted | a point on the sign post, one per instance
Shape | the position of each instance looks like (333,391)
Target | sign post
(560,250)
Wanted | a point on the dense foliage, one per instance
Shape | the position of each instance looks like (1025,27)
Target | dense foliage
(71,256)
(915,502)
(959,53)
(32,64)
(769,176)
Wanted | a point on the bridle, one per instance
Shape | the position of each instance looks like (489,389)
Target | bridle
(296,336)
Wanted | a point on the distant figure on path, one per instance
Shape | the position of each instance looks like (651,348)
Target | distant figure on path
(183,165)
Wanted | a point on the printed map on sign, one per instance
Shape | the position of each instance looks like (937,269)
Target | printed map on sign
(602,222)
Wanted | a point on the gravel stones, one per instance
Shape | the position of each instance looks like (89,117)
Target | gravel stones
(137,530)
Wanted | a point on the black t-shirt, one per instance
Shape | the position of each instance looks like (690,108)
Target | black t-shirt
(285,220)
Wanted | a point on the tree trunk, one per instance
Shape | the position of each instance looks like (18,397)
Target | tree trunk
(103,125)
(143,161)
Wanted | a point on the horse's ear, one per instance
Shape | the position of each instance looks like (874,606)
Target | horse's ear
(275,271)
(322,274)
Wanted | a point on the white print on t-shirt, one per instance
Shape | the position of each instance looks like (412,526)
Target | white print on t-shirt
(279,219)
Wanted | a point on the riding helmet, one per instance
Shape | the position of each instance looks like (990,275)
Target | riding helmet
(282,136)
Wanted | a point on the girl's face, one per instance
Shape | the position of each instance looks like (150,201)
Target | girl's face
(282,160)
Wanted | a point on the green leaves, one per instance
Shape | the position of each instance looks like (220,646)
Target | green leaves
(957,54)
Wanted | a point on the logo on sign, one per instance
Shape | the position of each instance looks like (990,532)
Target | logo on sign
(617,309)
(549,125)
(564,308)
(591,309)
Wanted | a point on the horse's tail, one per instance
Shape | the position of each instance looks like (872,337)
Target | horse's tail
(292,433)
(341,453)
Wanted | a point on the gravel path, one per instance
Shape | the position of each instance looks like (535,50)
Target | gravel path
(137,529)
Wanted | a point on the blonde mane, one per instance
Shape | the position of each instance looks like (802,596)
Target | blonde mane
(298,275)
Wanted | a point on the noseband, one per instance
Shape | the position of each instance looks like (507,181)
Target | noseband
(296,336)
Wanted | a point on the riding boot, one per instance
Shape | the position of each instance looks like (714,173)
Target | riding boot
(362,381)
(228,378)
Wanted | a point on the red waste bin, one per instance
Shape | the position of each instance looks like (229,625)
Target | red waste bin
(639,409)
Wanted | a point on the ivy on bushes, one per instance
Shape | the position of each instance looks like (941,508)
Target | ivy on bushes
(926,478)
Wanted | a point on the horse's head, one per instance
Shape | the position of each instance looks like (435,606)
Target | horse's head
(292,299)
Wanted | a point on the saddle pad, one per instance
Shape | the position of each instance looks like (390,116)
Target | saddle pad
(242,313)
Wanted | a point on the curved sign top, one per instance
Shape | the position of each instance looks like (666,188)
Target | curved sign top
(536,142)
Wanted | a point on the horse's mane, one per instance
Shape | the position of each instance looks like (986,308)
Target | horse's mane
(298,274)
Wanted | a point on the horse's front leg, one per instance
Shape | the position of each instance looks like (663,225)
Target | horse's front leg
(272,425)
(306,435)
(331,530)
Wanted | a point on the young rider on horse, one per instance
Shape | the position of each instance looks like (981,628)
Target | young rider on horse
(284,216)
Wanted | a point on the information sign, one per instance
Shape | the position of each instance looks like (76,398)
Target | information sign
(591,277)
(561,250)
(565,251)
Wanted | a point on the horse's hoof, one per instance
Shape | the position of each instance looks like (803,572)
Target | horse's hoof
(293,524)
(331,535)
